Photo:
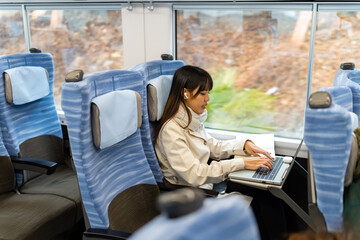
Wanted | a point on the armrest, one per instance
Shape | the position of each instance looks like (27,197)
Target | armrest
(34,164)
(95,233)
(166,186)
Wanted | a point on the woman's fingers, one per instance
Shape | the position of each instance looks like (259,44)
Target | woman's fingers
(254,163)
(264,166)
(267,154)
(255,154)
(255,150)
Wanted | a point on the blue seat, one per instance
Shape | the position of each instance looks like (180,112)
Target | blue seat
(31,126)
(151,70)
(342,96)
(351,79)
(216,218)
(328,136)
(157,77)
(117,186)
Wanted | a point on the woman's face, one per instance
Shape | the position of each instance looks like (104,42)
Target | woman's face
(196,103)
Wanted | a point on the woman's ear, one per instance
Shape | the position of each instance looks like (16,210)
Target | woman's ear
(185,94)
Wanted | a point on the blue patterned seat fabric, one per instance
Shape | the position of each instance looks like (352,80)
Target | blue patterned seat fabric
(328,136)
(151,70)
(351,79)
(341,95)
(22,122)
(229,218)
(3,151)
(103,174)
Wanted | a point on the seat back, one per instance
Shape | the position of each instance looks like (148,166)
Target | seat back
(117,186)
(150,71)
(328,136)
(350,78)
(342,96)
(28,117)
(216,218)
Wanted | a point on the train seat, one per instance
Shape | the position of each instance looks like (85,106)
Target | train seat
(30,216)
(186,215)
(157,77)
(30,124)
(342,96)
(350,77)
(328,135)
(103,112)
(151,70)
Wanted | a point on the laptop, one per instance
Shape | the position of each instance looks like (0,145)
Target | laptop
(275,176)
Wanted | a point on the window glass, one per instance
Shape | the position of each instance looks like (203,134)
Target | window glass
(258,60)
(90,40)
(337,41)
(12,39)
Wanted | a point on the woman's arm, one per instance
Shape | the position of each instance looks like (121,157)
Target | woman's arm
(174,147)
(221,149)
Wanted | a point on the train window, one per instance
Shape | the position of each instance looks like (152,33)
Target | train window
(89,39)
(258,59)
(12,38)
(337,41)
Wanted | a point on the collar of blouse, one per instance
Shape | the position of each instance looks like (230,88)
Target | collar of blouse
(196,119)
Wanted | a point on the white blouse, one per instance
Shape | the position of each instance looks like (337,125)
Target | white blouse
(183,153)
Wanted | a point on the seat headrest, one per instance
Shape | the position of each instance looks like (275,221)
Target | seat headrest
(114,117)
(167,57)
(158,91)
(347,66)
(320,99)
(34,50)
(26,84)
(74,76)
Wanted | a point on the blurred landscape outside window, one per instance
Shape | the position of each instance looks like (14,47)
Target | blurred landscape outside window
(258,59)
(90,40)
(337,41)
(259,62)
(12,39)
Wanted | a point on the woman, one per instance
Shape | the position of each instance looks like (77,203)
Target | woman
(182,145)
(183,148)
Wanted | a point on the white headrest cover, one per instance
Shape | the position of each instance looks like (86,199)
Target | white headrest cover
(26,84)
(354,120)
(158,92)
(115,116)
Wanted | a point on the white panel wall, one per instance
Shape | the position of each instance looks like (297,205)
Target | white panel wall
(146,34)
(158,31)
(133,35)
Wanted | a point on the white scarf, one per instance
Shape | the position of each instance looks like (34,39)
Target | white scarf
(197,120)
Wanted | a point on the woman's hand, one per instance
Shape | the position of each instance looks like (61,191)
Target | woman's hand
(254,150)
(253,163)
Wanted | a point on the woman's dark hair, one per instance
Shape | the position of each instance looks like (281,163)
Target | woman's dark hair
(189,77)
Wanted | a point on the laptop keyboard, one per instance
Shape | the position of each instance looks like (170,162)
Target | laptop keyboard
(269,174)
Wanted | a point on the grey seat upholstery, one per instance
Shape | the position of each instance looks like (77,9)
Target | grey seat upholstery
(31,127)
(30,216)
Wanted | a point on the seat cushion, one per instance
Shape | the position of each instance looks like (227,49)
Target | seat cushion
(34,216)
(61,183)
